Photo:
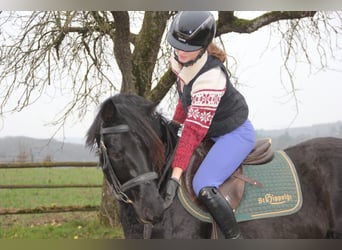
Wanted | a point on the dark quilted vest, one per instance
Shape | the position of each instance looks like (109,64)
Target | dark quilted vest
(232,110)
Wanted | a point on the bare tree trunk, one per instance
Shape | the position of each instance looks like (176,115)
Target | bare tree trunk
(109,214)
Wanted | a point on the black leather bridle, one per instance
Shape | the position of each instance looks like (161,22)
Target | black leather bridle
(117,187)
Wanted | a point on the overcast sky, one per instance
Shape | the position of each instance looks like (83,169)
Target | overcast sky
(258,61)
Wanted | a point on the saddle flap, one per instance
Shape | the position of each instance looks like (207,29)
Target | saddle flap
(232,189)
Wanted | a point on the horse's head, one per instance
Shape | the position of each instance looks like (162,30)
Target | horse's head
(131,152)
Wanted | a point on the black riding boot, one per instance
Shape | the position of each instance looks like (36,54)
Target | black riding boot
(221,211)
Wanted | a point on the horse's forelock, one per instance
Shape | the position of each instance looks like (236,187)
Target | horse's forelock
(140,123)
(93,134)
(139,114)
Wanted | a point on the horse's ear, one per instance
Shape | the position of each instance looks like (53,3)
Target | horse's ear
(108,111)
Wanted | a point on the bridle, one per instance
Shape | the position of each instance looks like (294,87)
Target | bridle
(117,187)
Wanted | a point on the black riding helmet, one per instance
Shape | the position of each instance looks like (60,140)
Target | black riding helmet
(192,30)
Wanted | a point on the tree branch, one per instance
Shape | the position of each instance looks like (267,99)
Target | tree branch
(147,48)
(163,86)
(227,22)
(122,49)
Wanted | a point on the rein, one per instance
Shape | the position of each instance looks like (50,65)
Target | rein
(169,152)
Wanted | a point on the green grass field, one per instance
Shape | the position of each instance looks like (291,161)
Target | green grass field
(29,198)
(69,225)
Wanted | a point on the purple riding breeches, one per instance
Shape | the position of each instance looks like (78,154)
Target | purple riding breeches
(224,157)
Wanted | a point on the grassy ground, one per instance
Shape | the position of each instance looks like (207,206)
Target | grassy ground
(78,225)
(70,225)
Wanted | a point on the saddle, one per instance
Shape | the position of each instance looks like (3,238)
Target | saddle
(232,189)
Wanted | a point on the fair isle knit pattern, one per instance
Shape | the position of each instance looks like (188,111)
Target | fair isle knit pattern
(196,125)
(204,104)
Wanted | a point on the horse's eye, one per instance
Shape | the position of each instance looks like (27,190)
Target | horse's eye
(116,155)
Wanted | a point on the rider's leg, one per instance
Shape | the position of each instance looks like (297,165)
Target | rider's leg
(223,159)
(221,212)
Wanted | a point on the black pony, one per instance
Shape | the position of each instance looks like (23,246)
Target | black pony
(135,145)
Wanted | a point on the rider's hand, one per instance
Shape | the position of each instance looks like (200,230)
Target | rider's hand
(171,191)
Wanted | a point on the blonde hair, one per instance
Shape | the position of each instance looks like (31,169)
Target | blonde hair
(216,51)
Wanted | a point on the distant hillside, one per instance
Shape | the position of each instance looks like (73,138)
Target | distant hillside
(283,138)
(34,150)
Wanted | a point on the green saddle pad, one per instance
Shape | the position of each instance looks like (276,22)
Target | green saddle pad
(280,195)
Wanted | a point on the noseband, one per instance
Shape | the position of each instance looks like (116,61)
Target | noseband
(108,170)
